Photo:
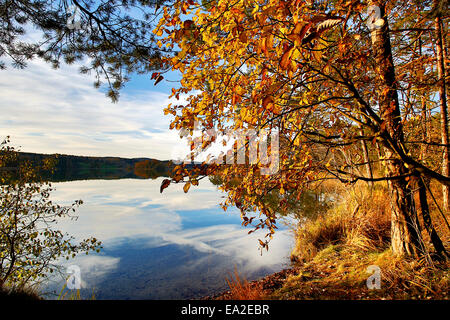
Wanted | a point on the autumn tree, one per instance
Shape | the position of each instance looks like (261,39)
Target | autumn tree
(442,74)
(30,245)
(333,78)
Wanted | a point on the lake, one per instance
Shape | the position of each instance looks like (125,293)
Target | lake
(162,246)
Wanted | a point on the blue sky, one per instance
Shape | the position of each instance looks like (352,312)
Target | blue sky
(59,111)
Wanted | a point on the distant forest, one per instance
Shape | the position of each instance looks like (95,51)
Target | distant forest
(69,167)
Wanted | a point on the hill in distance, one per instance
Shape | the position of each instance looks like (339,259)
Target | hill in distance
(70,167)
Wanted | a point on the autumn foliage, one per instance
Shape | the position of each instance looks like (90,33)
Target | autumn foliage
(337,87)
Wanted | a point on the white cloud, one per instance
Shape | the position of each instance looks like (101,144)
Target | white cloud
(59,111)
(233,241)
(94,268)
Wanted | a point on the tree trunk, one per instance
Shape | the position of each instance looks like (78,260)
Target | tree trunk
(366,158)
(443,107)
(404,233)
(434,237)
(424,118)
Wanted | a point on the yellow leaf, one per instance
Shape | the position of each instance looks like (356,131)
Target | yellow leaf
(286,58)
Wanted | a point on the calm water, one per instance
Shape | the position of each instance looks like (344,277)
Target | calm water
(162,246)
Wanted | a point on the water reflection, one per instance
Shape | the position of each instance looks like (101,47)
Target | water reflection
(162,246)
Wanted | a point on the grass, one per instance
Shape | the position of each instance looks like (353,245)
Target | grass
(340,272)
(25,294)
(74,294)
(332,254)
(360,223)
(241,289)
(28,293)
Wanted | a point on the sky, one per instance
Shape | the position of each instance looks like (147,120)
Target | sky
(50,111)
(46,110)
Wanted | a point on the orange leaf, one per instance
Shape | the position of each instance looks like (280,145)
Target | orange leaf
(303,31)
(286,58)
(264,46)
(266,101)
(158,80)
(270,41)
(186,187)
(243,37)
(165,183)
(188,24)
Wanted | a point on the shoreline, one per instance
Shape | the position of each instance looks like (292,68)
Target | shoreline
(266,284)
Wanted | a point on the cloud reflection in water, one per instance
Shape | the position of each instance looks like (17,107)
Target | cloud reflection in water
(163,246)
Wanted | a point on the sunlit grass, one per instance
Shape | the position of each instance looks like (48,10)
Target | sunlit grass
(241,289)
(332,254)
(73,294)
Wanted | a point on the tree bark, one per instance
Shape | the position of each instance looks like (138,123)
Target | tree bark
(404,234)
(366,158)
(443,109)
(434,237)
(424,120)
(424,115)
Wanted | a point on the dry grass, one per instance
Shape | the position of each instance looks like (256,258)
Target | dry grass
(241,289)
(340,272)
(358,220)
(332,254)
(19,294)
